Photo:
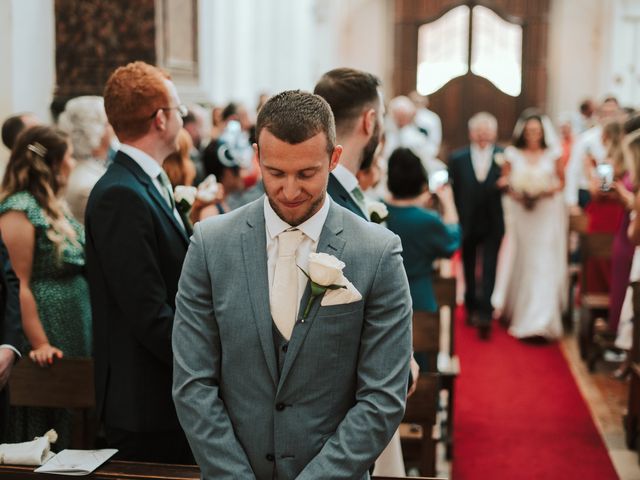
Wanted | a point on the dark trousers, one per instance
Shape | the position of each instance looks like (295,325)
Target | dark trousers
(477,298)
(4,412)
(154,447)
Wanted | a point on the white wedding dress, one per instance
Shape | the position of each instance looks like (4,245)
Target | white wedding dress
(531,277)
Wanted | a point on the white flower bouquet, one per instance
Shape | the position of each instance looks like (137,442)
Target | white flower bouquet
(531,183)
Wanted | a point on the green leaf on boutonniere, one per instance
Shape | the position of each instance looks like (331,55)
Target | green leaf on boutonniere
(317,290)
(184,206)
(375,218)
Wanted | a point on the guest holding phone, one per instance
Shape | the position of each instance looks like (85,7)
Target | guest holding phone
(425,234)
(612,197)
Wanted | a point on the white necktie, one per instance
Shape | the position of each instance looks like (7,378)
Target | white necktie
(284,292)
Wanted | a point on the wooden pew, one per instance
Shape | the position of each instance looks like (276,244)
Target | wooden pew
(448,363)
(419,431)
(68,383)
(578,225)
(592,305)
(417,428)
(131,471)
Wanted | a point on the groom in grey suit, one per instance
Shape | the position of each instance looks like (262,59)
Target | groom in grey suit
(264,387)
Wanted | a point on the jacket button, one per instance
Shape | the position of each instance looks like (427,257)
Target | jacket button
(270,457)
(280,407)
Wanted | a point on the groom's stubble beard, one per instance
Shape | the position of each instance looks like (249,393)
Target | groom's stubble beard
(314,207)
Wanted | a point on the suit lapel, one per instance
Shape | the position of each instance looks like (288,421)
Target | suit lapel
(162,203)
(343,197)
(332,243)
(153,192)
(254,251)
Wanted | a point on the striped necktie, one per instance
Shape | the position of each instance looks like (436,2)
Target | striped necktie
(360,200)
(167,191)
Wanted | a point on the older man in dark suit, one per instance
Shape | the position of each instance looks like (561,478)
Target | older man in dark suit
(474,174)
(10,329)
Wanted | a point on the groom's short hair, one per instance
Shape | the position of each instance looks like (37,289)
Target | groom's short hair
(294,116)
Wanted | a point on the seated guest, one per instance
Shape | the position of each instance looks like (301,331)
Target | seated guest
(10,330)
(425,235)
(85,120)
(178,164)
(46,247)
(404,132)
(223,162)
(195,123)
(16,124)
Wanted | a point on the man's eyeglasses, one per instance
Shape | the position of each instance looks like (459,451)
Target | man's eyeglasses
(182,110)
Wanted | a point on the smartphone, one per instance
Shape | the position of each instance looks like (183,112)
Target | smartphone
(438,179)
(604,171)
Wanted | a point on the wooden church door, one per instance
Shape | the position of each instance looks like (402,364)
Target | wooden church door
(472,56)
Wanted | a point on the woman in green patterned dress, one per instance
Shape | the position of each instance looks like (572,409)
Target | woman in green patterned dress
(46,247)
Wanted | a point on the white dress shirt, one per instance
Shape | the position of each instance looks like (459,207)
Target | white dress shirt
(589,142)
(151,168)
(311,230)
(431,122)
(347,179)
(12,348)
(481,159)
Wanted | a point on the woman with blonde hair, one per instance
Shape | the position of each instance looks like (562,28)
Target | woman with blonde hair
(46,248)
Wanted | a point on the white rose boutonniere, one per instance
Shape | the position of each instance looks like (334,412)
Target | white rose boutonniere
(325,271)
(378,211)
(185,196)
(500,159)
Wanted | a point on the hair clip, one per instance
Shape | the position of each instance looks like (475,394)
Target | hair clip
(37,148)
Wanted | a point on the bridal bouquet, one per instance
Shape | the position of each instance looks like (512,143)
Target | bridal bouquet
(531,183)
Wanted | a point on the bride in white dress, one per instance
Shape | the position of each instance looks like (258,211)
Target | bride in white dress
(532,272)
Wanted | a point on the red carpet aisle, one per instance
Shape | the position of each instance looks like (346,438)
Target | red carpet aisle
(519,414)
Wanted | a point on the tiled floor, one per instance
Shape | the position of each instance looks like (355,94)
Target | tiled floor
(607,400)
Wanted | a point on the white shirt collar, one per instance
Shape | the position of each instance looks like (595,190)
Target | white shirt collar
(146,162)
(347,179)
(311,227)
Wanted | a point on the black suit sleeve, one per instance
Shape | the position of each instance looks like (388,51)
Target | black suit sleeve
(12,328)
(123,232)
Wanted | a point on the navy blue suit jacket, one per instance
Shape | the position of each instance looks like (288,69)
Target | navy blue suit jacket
(135,248)
(479,204)
(341,196)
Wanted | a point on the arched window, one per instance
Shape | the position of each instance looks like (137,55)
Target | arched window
(443,50)
(494,52)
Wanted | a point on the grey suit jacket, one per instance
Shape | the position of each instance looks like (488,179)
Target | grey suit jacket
(342,390)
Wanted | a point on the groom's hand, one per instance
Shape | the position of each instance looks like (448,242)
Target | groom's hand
(415,373)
